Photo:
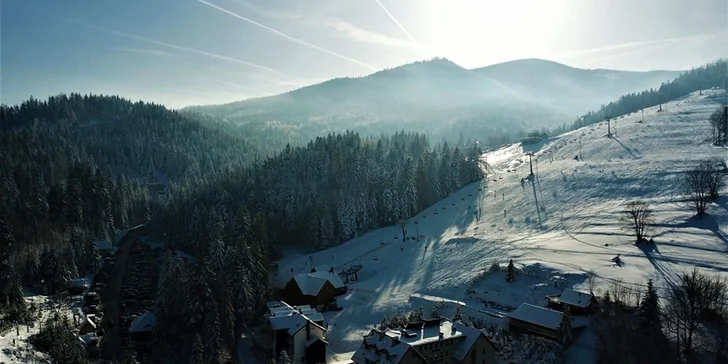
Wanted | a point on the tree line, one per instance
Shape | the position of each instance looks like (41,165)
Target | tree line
(700,78)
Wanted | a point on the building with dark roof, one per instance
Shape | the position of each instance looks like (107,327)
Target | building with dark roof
(318,289)
(577,302)
(429,341)
(537,320)
(299,331)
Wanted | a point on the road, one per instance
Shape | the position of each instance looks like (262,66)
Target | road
(112,342)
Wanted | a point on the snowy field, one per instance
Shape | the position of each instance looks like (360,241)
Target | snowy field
(14,347)
(559,224)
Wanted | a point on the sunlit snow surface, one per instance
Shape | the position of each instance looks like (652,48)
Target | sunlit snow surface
(559,222)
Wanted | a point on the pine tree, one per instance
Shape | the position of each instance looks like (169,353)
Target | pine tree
(198,351)
(649,313)
(511,272)
(283,358)
(565,326)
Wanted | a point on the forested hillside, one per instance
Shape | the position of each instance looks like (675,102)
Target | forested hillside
(74,168)
(704,77)
(493,105)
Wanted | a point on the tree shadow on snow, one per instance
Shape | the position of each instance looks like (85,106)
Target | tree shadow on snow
(705,222)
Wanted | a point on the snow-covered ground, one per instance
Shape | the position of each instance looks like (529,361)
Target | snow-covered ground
(14,347)
(563,221)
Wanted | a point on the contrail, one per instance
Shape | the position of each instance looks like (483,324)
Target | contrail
(243,87)
(411,38)
(284,35)
(168,45)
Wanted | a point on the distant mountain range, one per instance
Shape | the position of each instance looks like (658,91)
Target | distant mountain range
(442,99)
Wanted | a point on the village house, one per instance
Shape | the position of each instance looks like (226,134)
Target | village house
(299,330)
(431,341)
(537,320)
(577,302)
(87,325)
(77,286)
(318,289)
(141,328)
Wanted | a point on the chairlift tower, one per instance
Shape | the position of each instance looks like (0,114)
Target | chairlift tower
(609,127)
(530,162)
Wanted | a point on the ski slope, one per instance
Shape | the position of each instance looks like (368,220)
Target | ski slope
(564,220)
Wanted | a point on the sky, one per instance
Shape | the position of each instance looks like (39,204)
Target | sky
(194,52)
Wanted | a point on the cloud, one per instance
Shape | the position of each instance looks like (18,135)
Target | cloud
(286,36)
(363,35)
(167,45)
(347,29)
(244,88)
(617,50)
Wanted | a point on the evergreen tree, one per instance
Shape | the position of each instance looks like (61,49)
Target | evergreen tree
(649,313)
(198,351)
(511,272)
(565,326)
(283,358)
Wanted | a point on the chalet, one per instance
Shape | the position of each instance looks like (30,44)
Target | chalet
(87,325)
(141,328)
(299,331)
(537,320)
(577,302)
(77,286)
(332,276)
(429,341)
(533,138)
(105,247)
(318,289)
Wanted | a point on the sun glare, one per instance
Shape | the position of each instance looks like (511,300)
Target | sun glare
(473,32)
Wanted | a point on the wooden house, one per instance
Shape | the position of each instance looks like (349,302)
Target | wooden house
(299,331)
(537,320)
(430,341)
(318,289)
(577,302)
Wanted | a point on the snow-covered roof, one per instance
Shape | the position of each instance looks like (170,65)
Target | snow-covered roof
(78,283)
(144,323)
(87,321)
(396,342)
(329,274)
(470,337)
(388,343)
(103,245)
(311,283)
(537,315)
(314,339)
(575,298)
(285,317)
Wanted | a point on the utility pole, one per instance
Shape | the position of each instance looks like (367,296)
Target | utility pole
(417,225)
(609,127)
(530,163)
(580,155)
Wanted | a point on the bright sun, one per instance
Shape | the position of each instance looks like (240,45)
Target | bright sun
(472,32)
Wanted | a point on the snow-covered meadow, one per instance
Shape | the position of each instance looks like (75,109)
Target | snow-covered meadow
(562,223)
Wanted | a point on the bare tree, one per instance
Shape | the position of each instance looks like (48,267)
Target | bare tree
(690,301)
(714,170)
(719,122)
(591,280)
(697,185)
(637,217)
